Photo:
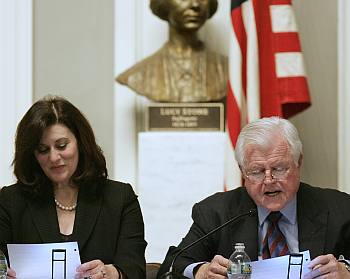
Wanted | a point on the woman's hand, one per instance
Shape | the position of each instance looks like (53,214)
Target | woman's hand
(96,269)
(11,273)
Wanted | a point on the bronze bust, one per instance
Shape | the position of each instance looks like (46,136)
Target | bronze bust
(183,70)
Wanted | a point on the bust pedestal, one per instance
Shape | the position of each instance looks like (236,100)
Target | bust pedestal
(176,170)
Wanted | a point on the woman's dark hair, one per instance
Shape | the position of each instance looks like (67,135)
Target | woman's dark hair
(50,110)
(161,8)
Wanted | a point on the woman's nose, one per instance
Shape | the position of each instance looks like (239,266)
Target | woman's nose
(54,155)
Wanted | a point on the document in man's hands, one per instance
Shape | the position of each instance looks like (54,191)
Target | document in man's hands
(285,267)
(48,260)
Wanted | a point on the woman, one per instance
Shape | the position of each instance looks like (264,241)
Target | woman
(63,194)
(183,70)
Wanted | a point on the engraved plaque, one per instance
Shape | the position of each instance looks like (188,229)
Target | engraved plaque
(185,117)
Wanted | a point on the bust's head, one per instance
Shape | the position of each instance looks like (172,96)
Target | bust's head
(184,14)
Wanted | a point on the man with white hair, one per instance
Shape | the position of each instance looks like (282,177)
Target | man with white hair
(291,215)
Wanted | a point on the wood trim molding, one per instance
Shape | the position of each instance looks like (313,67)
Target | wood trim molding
(15,75)
(344,95)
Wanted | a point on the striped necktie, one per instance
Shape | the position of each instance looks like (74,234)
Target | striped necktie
(274,243)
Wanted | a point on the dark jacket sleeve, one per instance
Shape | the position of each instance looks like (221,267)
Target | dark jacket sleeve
(129,256)
(165,266)
(5,220)
(206,215)
(195,254)
(203,222)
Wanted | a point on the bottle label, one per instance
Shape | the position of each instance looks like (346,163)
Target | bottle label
(243,268)
(246,268)
(235,269)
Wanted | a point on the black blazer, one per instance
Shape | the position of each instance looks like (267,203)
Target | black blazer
(109,227)
(323,225)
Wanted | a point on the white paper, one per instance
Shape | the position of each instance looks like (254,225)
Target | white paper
(277,268)
(41,261)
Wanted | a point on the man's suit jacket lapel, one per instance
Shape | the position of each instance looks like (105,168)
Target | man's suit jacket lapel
(245,230)
(312,223)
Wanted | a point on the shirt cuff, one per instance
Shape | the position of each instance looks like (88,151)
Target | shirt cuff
(188,272)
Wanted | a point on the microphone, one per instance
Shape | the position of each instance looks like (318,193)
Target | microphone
(172,275)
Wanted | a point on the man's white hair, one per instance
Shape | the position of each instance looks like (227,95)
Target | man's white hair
(263,131)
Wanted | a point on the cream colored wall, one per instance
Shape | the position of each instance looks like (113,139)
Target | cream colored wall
(73,57)
(318,125)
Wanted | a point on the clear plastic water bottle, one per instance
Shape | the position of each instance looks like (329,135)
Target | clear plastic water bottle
(239,266)
(3,265)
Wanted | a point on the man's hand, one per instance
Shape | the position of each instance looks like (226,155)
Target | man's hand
(327,266)
(217,269)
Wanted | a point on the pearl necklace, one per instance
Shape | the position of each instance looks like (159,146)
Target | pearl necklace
(67,208)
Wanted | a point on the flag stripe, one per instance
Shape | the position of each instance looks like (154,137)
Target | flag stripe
(240,34)
(289,64)
(253,77)
(282,18)
(266,56)
(233,118)
(286,42)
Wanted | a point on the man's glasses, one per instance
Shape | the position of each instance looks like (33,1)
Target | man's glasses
(259,175)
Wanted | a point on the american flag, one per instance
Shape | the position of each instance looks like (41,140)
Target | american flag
(266,69)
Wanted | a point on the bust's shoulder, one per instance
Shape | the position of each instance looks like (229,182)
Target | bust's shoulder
(216,56)
(148,65)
